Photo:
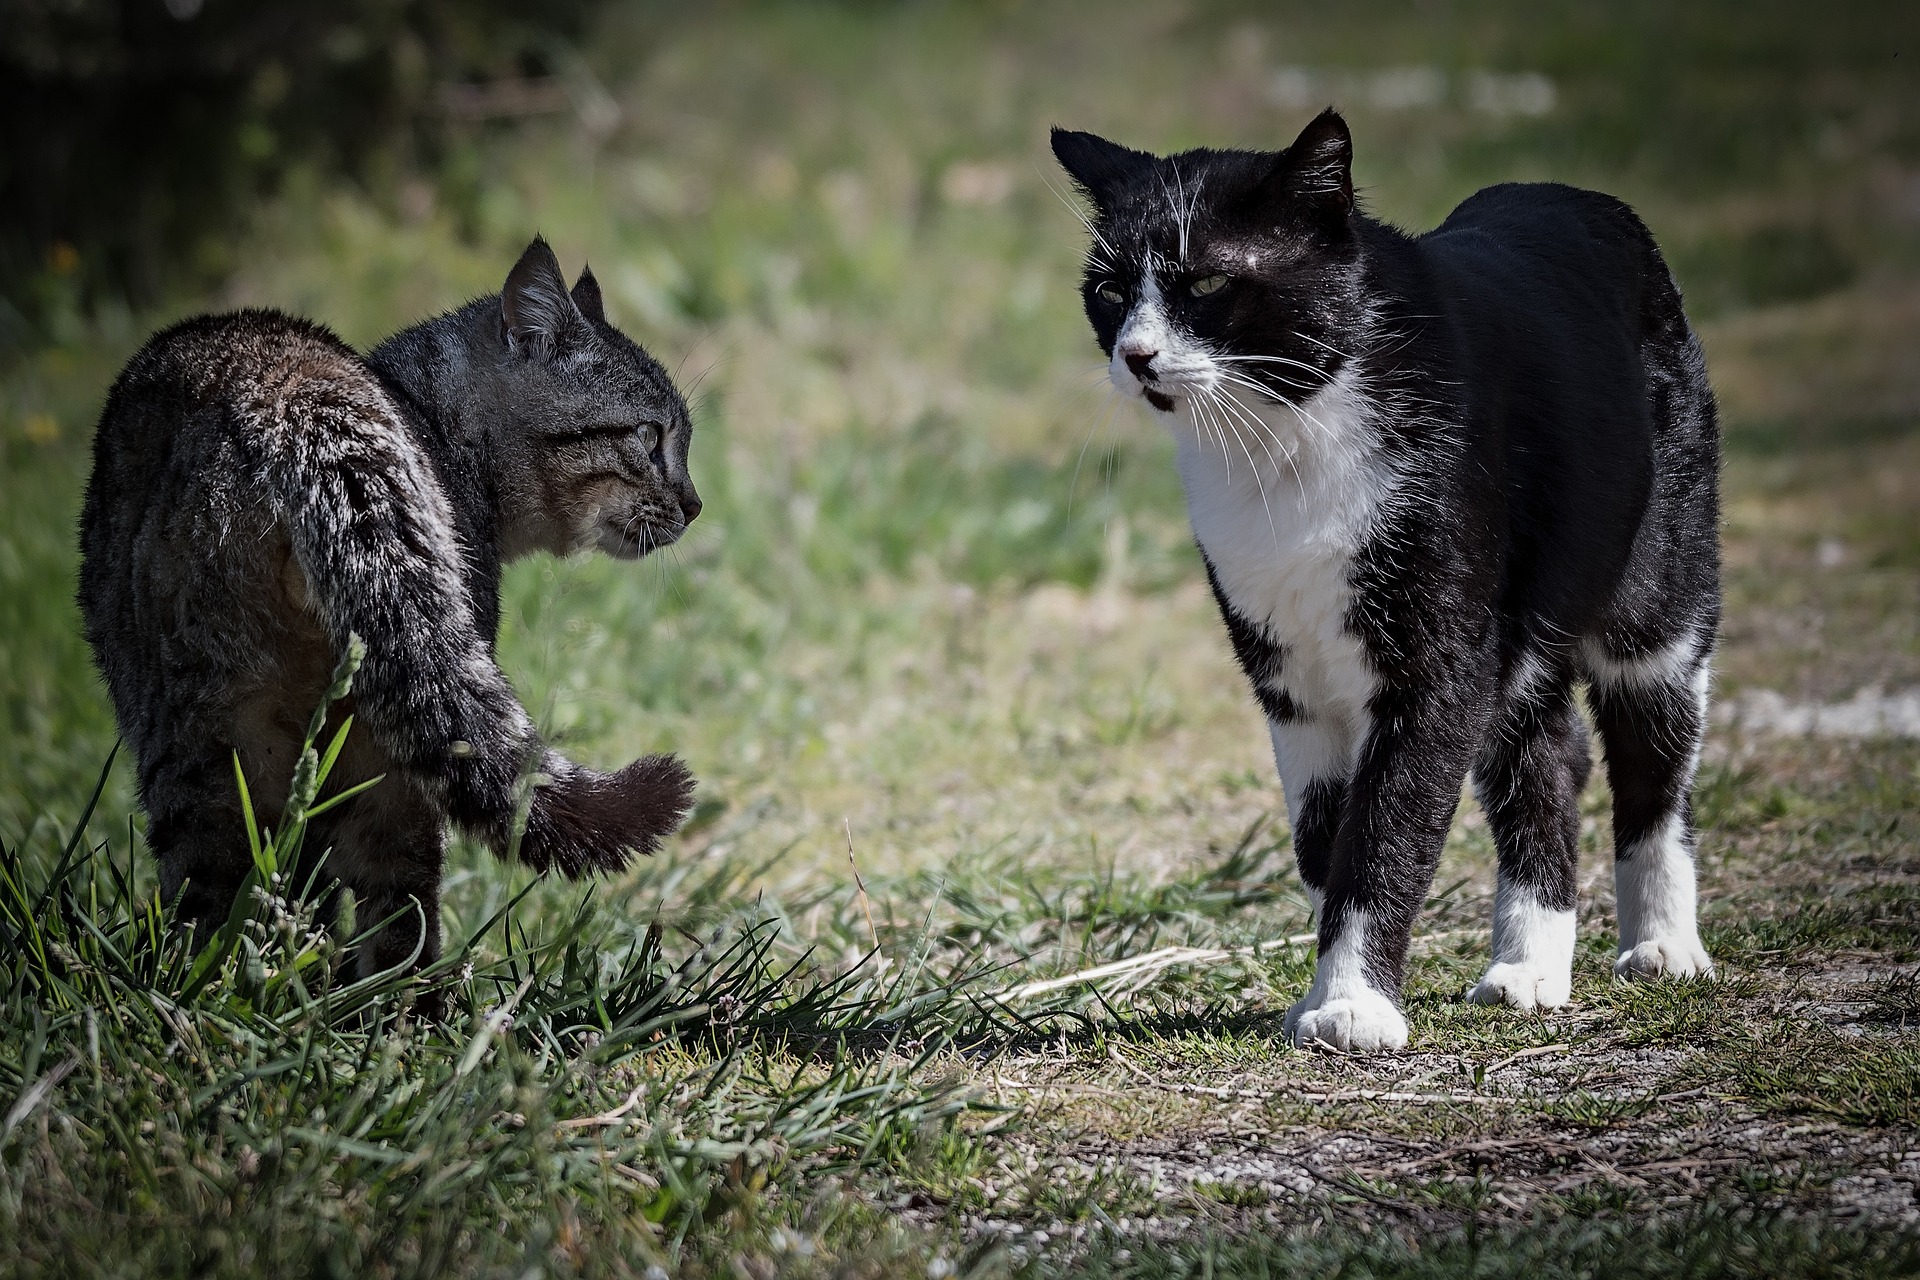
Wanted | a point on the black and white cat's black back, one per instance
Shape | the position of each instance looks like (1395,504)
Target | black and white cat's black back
(1437,481)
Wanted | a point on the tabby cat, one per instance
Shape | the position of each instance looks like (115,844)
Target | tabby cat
(261,491)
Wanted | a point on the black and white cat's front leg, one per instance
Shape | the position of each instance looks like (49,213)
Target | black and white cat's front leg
(1529,776)
(1391,822)
(1315,758)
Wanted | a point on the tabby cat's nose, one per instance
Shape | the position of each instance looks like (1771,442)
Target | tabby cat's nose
(690,506)
(1139,362)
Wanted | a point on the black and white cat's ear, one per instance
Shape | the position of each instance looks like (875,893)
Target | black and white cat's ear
(536,310)
(586,296)
(1098,167)
(1314,177)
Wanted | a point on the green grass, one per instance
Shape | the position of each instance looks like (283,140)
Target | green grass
(576,1088)
(941,620)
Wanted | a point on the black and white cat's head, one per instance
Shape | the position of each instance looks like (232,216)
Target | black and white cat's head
(600,432)
(1222,274)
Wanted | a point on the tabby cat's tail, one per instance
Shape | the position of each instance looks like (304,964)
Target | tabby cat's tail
(374,535)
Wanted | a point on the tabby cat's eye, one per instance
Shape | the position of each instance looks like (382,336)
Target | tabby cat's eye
(1111,293)
(1210,284)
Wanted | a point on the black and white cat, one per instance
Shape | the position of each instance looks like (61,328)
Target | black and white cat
(1437,480)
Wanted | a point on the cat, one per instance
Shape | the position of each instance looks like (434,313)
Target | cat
(1437,481)
(260,491)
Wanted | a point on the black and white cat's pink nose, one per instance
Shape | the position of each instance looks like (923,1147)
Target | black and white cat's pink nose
(1141,363)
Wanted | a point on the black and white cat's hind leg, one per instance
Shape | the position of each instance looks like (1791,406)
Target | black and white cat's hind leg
(1528,778)
(1650,708)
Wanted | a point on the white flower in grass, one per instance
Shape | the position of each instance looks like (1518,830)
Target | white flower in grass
(783,1240)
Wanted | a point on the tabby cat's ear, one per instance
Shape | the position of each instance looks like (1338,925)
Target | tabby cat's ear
(1313,178)
(535,308)
(1098,167)
(586,296)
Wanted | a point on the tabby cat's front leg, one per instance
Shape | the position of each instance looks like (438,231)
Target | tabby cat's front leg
(1398,805)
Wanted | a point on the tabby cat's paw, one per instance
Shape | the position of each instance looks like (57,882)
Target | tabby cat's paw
(1523,986)
(1365,1023)
(1675,956)
(583,821)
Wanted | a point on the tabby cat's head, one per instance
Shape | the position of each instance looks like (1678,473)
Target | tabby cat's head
(599,430)
(1221,274)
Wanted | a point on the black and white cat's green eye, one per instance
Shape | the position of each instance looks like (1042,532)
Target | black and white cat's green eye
(1205,285)
(1111,293)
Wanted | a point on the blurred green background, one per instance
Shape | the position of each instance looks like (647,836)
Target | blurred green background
(943,592)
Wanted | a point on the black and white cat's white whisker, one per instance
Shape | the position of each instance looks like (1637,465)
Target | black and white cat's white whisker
(1084,220)
(1222,425)
(1269,439)
(1272,388)
(1099,423)
(1256,425)
(1217,408)
(1253,378)
(1265,390)
(1310,369)
(1308,422)
(1324,345)
(1231,405)
(1204,420)
(1240,413)
(1182,206)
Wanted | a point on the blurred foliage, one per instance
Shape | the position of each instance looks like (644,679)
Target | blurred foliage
(131,130)
(1766,265)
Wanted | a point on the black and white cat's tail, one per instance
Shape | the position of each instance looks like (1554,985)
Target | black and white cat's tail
(374,537)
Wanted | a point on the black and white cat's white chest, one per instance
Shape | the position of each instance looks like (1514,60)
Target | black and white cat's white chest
(1283,502)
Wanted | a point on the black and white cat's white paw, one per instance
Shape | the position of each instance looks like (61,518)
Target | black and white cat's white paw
(1361,1022)
(1343,1009)
(1677,955)
(1532,953)
(1654,886)
(1524,985)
